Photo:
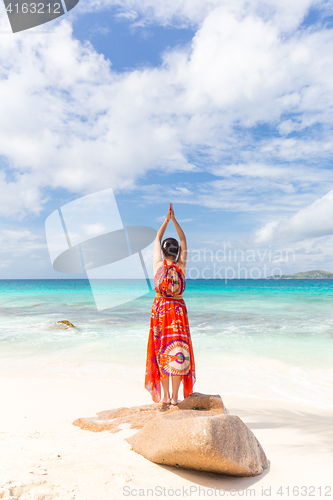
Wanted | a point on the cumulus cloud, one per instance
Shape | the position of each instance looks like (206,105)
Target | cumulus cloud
(313,221)
(192,12)
(94,229)
(257,188)
(21,240)
(69,121)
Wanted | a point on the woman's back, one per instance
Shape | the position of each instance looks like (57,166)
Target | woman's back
(169,279)
(169,349)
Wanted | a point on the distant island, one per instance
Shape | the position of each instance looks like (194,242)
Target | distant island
(312,275)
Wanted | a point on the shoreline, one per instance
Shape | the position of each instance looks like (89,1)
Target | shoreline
(45,452)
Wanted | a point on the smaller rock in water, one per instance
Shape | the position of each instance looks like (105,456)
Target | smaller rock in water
(65,323)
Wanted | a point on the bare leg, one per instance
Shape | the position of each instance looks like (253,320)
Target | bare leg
(165,385)
(175,388)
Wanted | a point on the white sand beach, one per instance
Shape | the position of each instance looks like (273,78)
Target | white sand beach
(44,456)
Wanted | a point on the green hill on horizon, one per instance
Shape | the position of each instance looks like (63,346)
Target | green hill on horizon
(305,275)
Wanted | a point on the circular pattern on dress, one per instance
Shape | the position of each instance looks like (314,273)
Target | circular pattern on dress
(175,358)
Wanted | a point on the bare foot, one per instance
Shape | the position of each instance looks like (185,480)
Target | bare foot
(174,401)
(166,400)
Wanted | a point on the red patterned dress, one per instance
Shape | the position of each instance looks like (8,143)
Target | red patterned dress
(169,350)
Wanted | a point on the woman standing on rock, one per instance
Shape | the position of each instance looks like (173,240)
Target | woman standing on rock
(169,351)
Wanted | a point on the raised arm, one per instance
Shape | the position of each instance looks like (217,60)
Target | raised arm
(183,245)
(157,259)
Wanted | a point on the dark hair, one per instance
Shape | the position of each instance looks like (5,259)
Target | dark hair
(170,247)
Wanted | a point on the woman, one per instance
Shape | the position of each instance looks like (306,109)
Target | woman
(169,351)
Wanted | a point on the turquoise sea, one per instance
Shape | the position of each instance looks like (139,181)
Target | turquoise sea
(266,338)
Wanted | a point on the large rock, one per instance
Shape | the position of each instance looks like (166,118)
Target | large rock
(198,433)
(198,401)
(203,441)
(112,420)
(138,416)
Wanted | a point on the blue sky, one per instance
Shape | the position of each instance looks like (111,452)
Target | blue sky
(128,47)
(222,108)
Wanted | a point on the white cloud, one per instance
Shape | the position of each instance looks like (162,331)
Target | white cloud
(17,241)
(94,229)
(313,221)
(192,12)
(256,188)
(68,121)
